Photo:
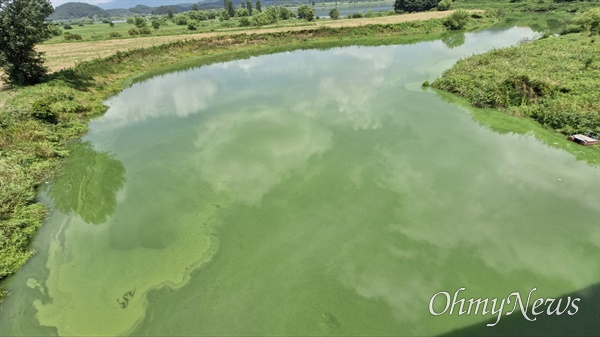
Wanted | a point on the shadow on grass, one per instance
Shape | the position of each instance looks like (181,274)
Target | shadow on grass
(72,78)
(586,322)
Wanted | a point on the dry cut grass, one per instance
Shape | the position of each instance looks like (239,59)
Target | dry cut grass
(65,55)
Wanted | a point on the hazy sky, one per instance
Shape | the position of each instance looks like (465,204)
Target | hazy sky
(123,3)
(93,2)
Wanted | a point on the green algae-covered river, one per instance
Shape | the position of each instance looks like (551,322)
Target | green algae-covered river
(317,192)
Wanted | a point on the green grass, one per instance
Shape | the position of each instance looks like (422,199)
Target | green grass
(554,80)
(102,31)
(538,6)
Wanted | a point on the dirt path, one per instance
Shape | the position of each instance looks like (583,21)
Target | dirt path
(65,55)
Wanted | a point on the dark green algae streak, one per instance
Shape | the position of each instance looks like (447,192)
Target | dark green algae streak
(331,197)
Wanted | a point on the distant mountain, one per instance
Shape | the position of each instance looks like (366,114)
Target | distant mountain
(150,3)
(141,9)
(76,10)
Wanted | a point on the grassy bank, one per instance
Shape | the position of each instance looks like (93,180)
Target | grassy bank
(37,123)
(554,81)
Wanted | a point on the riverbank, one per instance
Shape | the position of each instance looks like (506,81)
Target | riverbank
(553,81)
(38,122)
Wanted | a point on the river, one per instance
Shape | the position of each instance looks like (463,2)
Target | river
(314,192)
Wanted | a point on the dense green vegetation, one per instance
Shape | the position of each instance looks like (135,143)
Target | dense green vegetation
(414,5)
(554,80)
(39,122)
(528,6)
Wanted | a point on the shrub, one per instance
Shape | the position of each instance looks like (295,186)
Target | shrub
(244,22)
(155,24)
(570,28)
(284,13)
(306,12)
(55,30)
(272,14)
(41,110)
(69,36)
(458,20)
(242,12)
(334,13)
(133,32)
(114,34)
(369,14)
(224,15)
(521,90)
(588,21)
(444,5)
(357,15)
(67,26)
(139,22)
(145,31)
(260,19)
(180,19)
(192,25)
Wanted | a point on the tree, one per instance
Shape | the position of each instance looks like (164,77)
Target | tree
(169,13)
(228,5)
(242,12)
(224,15)
(284,13)
(272,14)
(258,6)
(334,13)
(260,19)
(22,26)
(139,22)
(306,12)
(414,5)
(249,6)
(242,4)
(458,20)
(155,24)
(195,7)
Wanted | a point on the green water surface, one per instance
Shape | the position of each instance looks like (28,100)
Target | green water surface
(303,193)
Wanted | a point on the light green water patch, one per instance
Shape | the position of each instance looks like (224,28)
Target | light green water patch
(303,193)
(101,270)
(503,122)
